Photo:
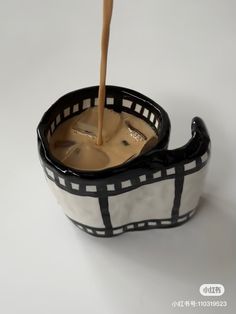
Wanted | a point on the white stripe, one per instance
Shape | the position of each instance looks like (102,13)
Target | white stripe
(75,186)
(130,227)
(170,171)
(53,126)
(110,187)
(152,223)
(110,100)
(126,184)
(152,117)
(117,231)
(75,107)
(141,224)
(50,173)
(165,222)
(66,112)
(127,103)
(145,112)
(157,174)
(204,157)
(61,181)
(143,178)
(100,232)
(86,103)
(138,108)
(190,165)
(91,188)
(89,230)
(182,219)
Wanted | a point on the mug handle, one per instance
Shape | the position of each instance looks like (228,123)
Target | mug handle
(195,148)
(185,168)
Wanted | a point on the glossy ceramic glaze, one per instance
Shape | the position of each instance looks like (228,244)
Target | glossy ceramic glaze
(156,190)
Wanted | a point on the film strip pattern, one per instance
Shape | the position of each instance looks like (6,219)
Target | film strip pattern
(150,115)
(137,226)
(176,173)
(116,184)
(124,182)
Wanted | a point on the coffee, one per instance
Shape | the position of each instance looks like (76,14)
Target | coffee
(100,138)
(124,138)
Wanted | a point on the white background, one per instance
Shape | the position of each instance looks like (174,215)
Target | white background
(182,55)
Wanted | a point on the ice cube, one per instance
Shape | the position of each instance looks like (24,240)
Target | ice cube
(87,157)
(85,128)
(149,145)
(87,123)
(63,148)
(135,133)
(131,157)
(64,144)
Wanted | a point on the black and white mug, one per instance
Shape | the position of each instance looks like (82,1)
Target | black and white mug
(158,189)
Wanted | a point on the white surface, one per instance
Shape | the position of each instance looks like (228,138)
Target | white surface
(85,210)
(49,48)
(152,201)
(192,190)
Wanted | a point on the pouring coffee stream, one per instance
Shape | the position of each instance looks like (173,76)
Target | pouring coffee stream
(107,13)
(99,137)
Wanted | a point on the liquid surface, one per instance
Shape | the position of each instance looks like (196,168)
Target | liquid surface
(125,136)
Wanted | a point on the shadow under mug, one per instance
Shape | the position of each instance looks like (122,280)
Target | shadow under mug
(158,189)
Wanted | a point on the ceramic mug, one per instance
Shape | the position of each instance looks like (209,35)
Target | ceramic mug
(158,189)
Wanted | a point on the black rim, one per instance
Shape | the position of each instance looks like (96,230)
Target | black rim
(119,93)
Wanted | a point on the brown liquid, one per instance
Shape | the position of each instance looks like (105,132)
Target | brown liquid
(124,137)
(107,13)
